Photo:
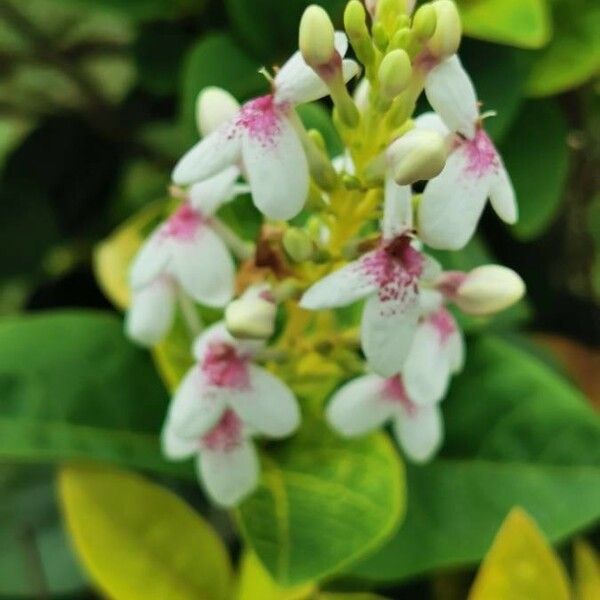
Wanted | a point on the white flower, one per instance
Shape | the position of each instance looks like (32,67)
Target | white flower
(388,277)
(436,353)
(368,402)
(453,201)
(187,250)
(227,397)
(263,137)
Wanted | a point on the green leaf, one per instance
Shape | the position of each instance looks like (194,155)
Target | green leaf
(35,554)
(521,23)
(216,60)
(520,564)
(573,55)
(516,434)
(323,503)
(144,9)
(537,158)
(587,571)
(73,387)
(139,541)
(315,116)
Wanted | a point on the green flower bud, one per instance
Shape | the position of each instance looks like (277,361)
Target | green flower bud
(355,23)
(394,73)
(380,37)
(419,154)
(448,29)
(316,36)
(424,22)
(298,245)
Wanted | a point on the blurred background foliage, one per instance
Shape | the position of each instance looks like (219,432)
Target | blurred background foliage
(97,101)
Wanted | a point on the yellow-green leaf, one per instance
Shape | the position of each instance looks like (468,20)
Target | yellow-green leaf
(521,23)
(520,564)
(587,572)
(349,596)
(255,582)
(140,541)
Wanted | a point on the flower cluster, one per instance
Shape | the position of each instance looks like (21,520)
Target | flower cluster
(359,235)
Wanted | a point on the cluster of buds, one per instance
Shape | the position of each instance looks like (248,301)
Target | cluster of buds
(359,234)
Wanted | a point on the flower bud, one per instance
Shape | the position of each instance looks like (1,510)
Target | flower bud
(252,315)
(419,154)
(394,73)
(355,23)
(424,22)
(297,244)
(214,106)
(489,289)
(316,37)
(448,29)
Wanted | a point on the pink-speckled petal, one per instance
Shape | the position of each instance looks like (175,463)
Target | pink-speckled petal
(359,407)
(503,198)
(209,156)
(277,168)
(420,432)
(209,195)
(452,203)
(387,330)
(451,94)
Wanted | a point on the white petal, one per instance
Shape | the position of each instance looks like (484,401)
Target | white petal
(432,269)
(214,106)
(387,330)
(215,152)
(456,351)
(502,197)
(426,372)
(397,210)
(217,333)
(268,406)
(359,407)
(452,204)
(204,268)
(229,475)
(430,300)
(194,409)
(340,288)
(297,83)
(150,315)
(361,94)
(420,433)
(433,122)
(207,196)
(176,447)
(150,261)
(277,170)
(451,94)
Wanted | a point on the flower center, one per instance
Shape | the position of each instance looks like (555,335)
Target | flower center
(260,119)
(225,368)
(183,224)
(481,154)
(443,323)
(394,391)
(226,435)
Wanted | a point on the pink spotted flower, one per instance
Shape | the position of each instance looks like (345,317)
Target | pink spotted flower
(389,279)
(368,402)
(183,252)
(262,138)
(453,201)
(221,402)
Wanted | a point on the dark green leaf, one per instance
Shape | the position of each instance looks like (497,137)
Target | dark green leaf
(537,158)
(315,116)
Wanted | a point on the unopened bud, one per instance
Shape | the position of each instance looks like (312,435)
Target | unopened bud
(380,37)
(419,154)
(355,23)
(489,289)
(214,106)
(394,73)
(402,38)
(252,315)
(424,22)
(298,245)
(316,37)
(448,29)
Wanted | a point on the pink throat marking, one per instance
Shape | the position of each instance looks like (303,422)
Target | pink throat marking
(225,368)
(226,435)
(482,157)
(394,267)
(183,224)
(425,61)
(261,119)
(394,391)
(449,283)
(443,322)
